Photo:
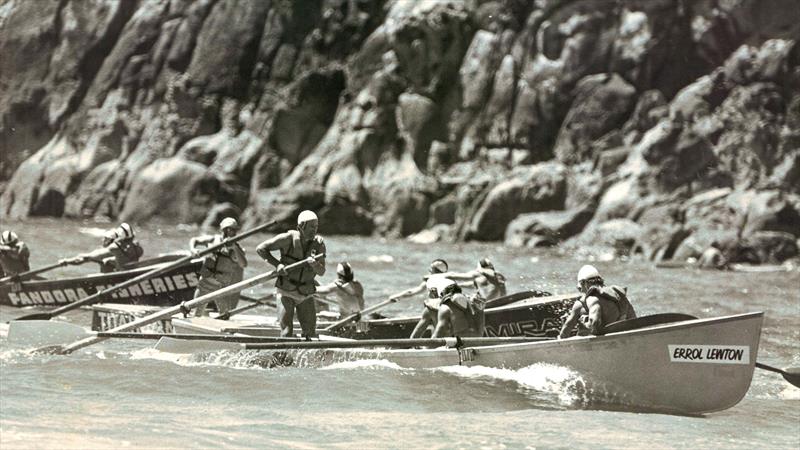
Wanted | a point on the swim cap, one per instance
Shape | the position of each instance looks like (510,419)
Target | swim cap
(125,231)
(486,263)
(306,216)
(8,237)
(344,271)
(438,266)
(229,222)
(588,272)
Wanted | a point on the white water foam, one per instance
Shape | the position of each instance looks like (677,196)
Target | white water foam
(380,258)
(92,231)
(4,330)
(363,364)
(566,384)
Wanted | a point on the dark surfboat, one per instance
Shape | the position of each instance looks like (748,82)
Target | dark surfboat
(167,289)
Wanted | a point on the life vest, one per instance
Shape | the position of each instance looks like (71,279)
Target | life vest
(16,260)
(301,279)
(221,264)
(471,307)
(615,294)
(127,251)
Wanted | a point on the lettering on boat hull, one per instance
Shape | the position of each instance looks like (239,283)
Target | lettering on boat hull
(713,354)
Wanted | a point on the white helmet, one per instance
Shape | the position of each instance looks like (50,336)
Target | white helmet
(125,231)
(8,237)
(438,266)
(228,222)
(588,272)
(306,216)
(345,271)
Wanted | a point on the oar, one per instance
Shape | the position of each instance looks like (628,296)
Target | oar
(355,316)
(256,302)
(96,297)
(792,375)
(396,343)
(171,311)
(31,273)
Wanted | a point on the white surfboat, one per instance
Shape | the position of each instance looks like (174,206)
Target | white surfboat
(689,367)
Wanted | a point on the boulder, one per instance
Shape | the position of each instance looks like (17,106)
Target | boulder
(192,192)
(616,237)
(602,103)
(217,213)
(535,188)
(546,228)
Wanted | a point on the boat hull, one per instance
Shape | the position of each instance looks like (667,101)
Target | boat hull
(170,288)
(691,367)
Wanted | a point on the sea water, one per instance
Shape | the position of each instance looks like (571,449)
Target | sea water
(120,394)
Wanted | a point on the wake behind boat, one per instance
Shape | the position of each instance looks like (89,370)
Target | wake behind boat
(690,367)
(169,288)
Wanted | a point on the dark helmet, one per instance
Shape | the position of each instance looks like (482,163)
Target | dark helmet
(344,271)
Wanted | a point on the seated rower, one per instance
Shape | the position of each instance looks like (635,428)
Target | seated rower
(14,255)
(437,279)
(459,315)
(349,291)
(599,306)
(488,281)
(118,249)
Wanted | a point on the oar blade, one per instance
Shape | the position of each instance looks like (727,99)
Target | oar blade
(38,333)
(792,375)
(34,316)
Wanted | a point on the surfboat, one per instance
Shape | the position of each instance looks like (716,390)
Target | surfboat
(167,289)
(688,367)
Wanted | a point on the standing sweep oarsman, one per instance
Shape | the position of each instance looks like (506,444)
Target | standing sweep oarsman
(14,254)
(119,248)
(599,306)
(222,268)
(349,292)
(295,289)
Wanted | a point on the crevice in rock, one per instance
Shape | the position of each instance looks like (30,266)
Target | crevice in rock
(95,57)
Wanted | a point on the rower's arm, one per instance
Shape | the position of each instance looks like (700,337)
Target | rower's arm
(318,265)
(462,276)
(410,292)
(595,322)
(265,249)
(98,255)
(570,321)
(326,288)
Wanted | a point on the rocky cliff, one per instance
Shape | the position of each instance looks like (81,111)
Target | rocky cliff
(640,126)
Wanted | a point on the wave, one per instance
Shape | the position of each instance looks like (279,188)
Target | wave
(380,259)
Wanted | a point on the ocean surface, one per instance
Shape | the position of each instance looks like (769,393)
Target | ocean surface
(123,394)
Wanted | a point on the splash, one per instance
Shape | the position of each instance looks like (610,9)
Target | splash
(568,386)
(363,364)
(380,258)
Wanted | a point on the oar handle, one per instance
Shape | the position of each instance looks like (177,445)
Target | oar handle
(355,316)
(30,273)
(183,307)
(94,298)
(255,303)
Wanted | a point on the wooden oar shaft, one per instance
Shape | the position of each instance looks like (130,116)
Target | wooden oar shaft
(255,303)
(30,273)
(94,298)
(196,337)
(393,343)
(169,312)
(336,325)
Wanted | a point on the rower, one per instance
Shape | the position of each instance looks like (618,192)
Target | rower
(295,288)
(459,315)
(118,249)
(488,281)
(349,291)
(14,254)
(221,268)
(599,306)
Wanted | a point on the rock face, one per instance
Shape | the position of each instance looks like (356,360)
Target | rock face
(662,123)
